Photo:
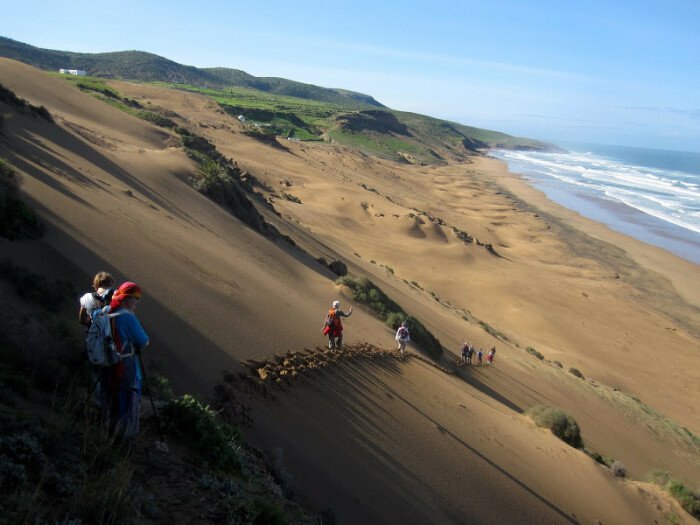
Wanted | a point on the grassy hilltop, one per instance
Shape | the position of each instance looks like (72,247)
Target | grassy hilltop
(147,67)
(285,108)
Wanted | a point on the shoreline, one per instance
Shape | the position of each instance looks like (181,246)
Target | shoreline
(616,215)
(679,273)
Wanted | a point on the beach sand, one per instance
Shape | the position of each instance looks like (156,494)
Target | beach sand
(374,442)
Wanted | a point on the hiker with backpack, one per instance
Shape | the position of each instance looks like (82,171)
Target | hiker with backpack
(480,356)
(402,336)
(333,328)
(101,295)
(470,354)
(126,375)
(90,304)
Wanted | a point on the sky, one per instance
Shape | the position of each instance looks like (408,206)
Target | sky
(622,72)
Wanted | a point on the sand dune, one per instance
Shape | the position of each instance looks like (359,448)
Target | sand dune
(398,440)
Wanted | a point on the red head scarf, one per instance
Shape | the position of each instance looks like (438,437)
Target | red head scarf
(127,289)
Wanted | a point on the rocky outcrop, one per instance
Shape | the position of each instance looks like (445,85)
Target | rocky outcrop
(338,267)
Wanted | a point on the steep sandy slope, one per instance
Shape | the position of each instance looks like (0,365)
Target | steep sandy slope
(401,442)
(116,194)
(215,290)
(576,299)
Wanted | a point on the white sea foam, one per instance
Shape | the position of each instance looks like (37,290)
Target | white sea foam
(668,195)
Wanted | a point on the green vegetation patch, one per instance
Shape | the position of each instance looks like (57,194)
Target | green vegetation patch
(221,184)
(50,473)
(603,460)
(196,424)
(689,500)
(17,220)
(560,423)
(149,116)
(492,331)
(383,145)
(682,440)
(534,353)
(219,179)
(366,292)
(576,372)
(100,90)
(271,114)
(94,84)
(291,197)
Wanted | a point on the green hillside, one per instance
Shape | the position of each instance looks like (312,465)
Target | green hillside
(282,86)
(398,135)
(276,107)
(147,67)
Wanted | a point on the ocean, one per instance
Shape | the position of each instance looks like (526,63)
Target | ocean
(650,194)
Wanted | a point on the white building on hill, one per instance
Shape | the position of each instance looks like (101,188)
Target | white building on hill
(78,72)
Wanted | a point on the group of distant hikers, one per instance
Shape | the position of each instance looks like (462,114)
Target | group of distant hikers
(467,354)
(114,340)
(333,328)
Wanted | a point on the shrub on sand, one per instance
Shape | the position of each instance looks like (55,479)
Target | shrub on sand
(576,372)
(221,185)
(561,424)
(17,220)
(603,460)
(534,353)
(394,319)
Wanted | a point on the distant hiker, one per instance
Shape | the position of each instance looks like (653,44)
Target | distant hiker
(126,375)
(470,354)
(490,356)
(103,288)
(333,328)
(463,353)
(402,337)
(479,356)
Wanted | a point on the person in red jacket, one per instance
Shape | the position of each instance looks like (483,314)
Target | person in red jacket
(333,328)
(126,375)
